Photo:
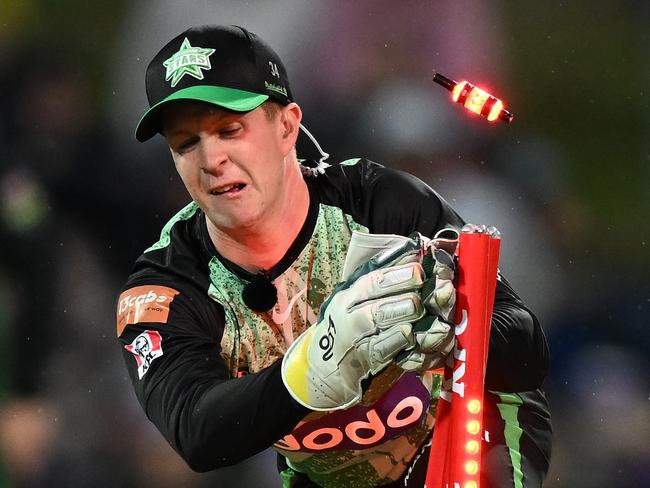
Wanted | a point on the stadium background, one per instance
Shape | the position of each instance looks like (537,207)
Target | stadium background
(566,183)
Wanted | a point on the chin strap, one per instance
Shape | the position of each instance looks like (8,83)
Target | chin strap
(322,165)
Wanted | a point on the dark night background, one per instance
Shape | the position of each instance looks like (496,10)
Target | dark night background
(566,183)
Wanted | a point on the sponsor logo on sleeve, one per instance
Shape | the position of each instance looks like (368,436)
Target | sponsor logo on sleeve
(146,347)
(148,303)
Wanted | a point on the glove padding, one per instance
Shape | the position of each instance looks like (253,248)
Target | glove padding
(362,326)
(433,334)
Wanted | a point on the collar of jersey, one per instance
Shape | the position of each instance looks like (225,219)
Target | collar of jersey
(292,253)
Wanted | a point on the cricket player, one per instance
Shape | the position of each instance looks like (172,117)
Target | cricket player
(299,305)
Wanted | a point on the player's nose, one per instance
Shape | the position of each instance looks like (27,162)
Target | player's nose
(213,154)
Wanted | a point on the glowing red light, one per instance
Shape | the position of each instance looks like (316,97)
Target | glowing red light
(474,406)
(475,99)
(471,467)
(495,111)
(455,94)
(473,427)
(472,447)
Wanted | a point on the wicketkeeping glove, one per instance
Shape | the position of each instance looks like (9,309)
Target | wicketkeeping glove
(434,333)
(362,326)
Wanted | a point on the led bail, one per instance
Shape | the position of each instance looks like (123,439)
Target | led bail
(475,99)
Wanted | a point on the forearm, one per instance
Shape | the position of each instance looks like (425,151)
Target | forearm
(222,422)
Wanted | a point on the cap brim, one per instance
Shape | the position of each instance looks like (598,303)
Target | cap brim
(228,98)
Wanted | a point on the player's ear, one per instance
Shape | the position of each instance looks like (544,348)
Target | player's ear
(290,117)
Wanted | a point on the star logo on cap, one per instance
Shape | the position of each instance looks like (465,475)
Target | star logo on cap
(188,60)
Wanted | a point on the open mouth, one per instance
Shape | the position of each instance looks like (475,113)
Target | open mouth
(229,189)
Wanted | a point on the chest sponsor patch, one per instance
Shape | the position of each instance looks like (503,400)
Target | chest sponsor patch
(148,303)
(146,347)
(401,408)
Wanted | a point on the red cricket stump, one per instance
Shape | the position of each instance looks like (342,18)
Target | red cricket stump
(455,458)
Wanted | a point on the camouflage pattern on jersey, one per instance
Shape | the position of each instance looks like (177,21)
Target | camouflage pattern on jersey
(253,341)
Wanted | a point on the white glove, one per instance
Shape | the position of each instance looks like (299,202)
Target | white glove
(434,333)
(362,326)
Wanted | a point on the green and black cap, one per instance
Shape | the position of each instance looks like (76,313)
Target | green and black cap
(224,65)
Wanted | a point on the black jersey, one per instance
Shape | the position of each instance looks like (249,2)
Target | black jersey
(206,368)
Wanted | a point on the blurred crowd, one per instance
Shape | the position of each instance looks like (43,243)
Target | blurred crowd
(565,184)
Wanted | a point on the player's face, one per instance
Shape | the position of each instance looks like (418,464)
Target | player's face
(233,164)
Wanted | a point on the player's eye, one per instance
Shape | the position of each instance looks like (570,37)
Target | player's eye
(230,130)
(186,145)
